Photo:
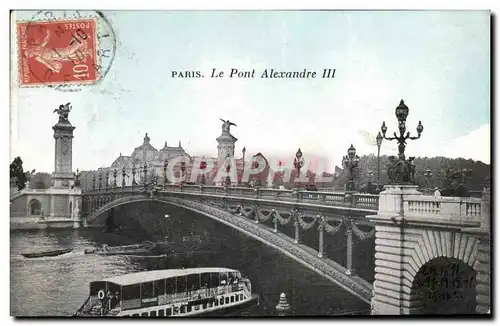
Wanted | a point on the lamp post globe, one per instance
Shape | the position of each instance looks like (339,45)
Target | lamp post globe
(402,111)
(350,162)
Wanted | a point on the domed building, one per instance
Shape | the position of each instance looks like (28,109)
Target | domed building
(146,161)
(146,152)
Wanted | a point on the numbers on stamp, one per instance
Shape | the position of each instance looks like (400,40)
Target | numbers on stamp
(81,71)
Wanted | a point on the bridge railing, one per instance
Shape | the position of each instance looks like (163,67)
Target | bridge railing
(364,201)
(466,208)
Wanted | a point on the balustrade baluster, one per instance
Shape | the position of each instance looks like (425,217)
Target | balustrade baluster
(257,193)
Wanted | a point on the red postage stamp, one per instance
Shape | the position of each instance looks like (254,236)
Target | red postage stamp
(58,52)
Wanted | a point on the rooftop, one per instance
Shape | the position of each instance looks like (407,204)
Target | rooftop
(149,276)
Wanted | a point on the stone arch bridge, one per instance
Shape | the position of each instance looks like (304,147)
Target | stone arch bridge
(247,210)
(412,232)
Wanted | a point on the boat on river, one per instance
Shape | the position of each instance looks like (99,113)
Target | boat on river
(144,248)
(170,293)
(50,253)
(186,244)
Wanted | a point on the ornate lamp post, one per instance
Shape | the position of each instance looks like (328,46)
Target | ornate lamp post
(115,174)
(243,151)
(402,171)
(203,166)
(133,174)
(428,176)
(100,179)
(124,173)
(379,143)
(107,180)
(298,163)
(145,170)
(350,161)
(165,179)
(77,182)
(280,176)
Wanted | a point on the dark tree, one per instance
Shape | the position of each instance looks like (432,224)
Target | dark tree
(17,173)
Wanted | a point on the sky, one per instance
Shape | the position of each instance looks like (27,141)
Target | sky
(437,61)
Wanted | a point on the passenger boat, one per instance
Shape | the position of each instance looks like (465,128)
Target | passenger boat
(51,253)
(170,292)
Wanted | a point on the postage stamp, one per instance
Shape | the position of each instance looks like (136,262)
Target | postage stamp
(58,52)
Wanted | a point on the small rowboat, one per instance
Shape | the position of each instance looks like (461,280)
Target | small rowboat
(48,253)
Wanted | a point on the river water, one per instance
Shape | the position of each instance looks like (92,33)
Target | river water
(58,286)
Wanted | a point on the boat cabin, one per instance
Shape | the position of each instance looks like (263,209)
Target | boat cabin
(154,288)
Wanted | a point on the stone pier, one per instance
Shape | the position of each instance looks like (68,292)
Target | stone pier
(58,206)
(416,236)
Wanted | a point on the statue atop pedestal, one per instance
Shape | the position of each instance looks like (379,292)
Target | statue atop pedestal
(63,112)
(226,126)
(226,141)
(401,171)
(63,176)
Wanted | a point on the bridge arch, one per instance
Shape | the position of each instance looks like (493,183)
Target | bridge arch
(336,274)
(440,271)
(123,201)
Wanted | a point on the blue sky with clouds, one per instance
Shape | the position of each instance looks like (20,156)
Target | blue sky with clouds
(438,62)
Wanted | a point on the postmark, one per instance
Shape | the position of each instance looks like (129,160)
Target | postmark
(65,50)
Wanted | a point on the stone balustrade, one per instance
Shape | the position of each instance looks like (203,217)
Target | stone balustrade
(444,207)
(363,201)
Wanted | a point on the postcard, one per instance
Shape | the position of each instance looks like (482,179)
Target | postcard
(250,163)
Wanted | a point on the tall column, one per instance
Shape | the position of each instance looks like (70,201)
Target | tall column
(320,249)
(63,159)
(296,225)
(350,270)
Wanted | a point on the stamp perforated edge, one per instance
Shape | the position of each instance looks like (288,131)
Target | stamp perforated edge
(59,84)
